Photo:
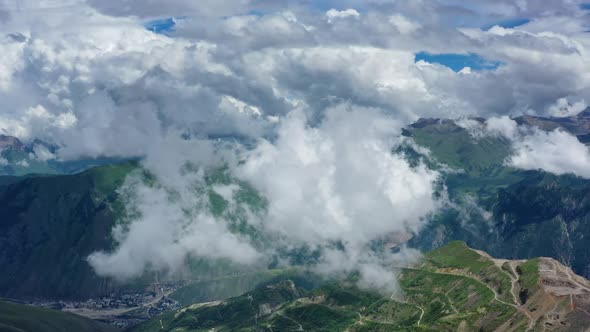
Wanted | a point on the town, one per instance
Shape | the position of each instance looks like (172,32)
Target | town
(123,309)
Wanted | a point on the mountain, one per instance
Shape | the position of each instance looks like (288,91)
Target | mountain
(23,318)
(505,211)
(10,142)
(578,125)
(456,288)
(49,225)
(17,158)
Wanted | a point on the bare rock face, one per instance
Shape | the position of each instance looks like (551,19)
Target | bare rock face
(10,142)
(548,293)
(565,297)
(578,125)
(559,300)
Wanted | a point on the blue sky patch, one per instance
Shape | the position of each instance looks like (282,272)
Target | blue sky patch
(257,12)
(163,26)
(459,61)
(585,6)
(509,24)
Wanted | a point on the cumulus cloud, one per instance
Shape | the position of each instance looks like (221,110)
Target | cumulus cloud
(90,79)
(556,152)
(564,108)
(41,152)
(172,226)
(502,126)
(333,14)
(126,79)
(339,181)
(169,220)
(334,183)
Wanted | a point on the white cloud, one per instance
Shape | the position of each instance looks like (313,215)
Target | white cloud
(336,182)
(339,181)
(494,126)
(403,24)
(273,63)
(556,152)
(42,153)
(89,78)
(503,126)
(563,108)
(333,14)
(170,222)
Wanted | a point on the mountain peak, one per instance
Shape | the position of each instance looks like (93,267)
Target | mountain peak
(11,142)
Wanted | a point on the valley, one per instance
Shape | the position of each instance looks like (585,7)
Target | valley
(495,209)
(294,165)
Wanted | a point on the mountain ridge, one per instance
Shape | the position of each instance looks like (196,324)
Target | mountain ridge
(455,288)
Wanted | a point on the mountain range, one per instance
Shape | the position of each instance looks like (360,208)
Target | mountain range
(455,288)
(529,212)
(37,157)
(53,214)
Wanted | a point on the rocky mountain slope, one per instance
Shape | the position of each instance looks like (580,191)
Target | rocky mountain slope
(578,125)
(455,289)
(49,225)
(505,211)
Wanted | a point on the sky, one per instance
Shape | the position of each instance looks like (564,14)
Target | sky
(316,92)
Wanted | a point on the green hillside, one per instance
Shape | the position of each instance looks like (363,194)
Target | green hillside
(454,146)
(233,285)
(49,224)
(453,290)
(523,206)
(23,318)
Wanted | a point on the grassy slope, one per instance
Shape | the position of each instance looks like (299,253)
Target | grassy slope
(22,318)
(451,300)
(457,255)
(448,301)
(456,148)
(233,285)
(529,273)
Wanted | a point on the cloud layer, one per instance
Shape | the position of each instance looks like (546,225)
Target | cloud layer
(335,187)
(90,78)
(315,94)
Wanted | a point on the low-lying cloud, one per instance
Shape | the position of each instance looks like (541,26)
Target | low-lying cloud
(557,151)
(335,187)
(340,180)
(90,79)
